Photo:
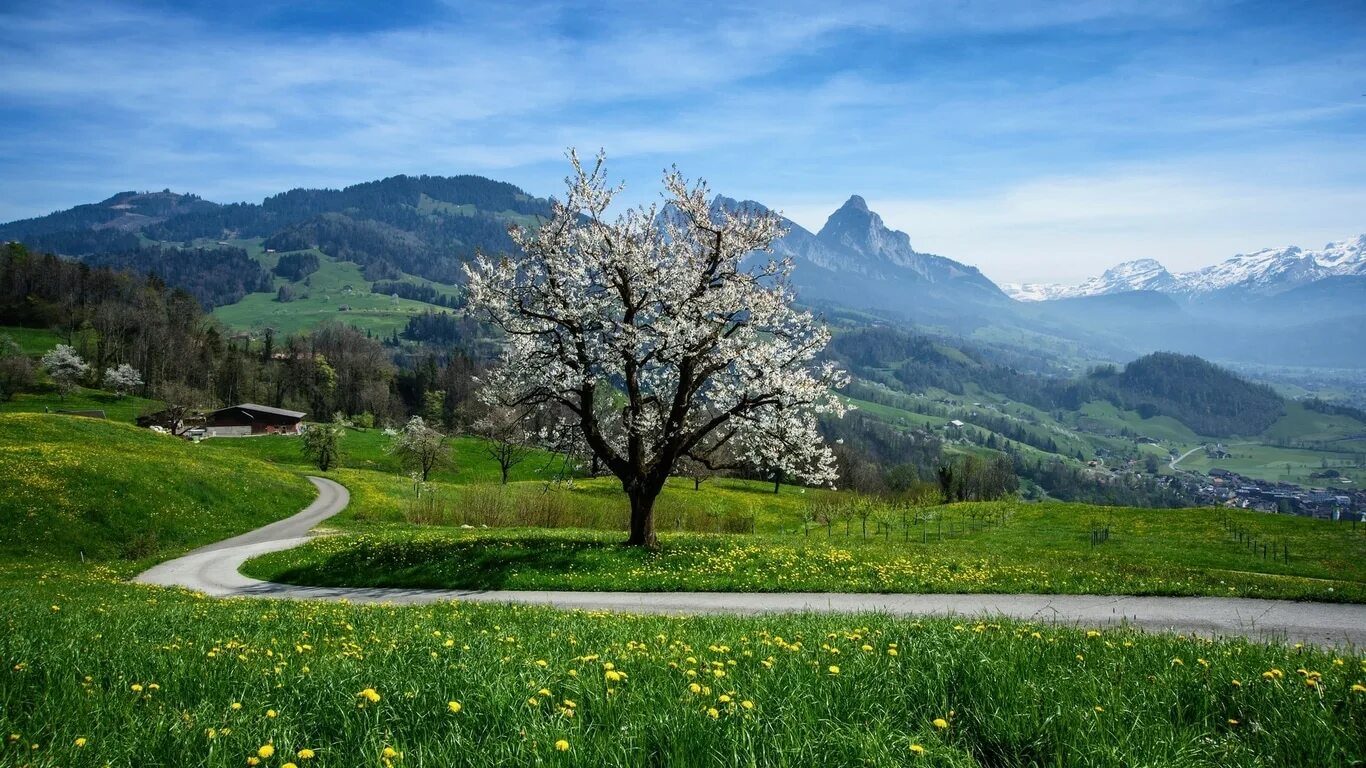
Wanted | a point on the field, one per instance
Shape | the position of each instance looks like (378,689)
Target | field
(1289,465)
(33,341)
(77,488)
(120,409)
(383,493)
(802,539)
(96,671)
(334,285)
(1040,548)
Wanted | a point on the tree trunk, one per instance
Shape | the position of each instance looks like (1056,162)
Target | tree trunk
(504,467)
(642,495)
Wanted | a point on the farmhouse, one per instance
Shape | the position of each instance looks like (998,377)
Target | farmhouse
(252,419)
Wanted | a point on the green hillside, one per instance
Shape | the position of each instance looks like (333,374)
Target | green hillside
(337,291)
(33,341)
(112,491)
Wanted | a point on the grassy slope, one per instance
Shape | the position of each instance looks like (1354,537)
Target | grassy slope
(122,409)
(34,341)
(1043,548)
(1269,462)
(69,484)
(149,676)
(326,293)
(823,690)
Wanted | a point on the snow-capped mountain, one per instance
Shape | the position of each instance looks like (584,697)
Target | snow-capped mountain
(1266,272)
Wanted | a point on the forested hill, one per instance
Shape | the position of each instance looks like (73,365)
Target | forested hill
(1203,396)
(422,225)
(1206,398)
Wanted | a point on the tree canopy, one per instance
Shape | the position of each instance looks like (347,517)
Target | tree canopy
(655,312)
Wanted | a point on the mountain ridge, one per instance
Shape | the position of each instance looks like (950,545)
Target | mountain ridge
(1265,272)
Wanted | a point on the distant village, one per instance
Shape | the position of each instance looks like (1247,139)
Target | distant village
(1230,489)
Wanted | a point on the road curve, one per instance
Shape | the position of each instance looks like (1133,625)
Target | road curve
(213,570)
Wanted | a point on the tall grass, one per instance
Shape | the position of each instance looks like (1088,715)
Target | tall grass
(551,505)
(97,673)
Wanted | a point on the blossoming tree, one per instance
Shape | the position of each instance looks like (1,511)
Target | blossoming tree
(657,312)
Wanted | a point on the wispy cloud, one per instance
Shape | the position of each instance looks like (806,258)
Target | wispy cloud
(982,114)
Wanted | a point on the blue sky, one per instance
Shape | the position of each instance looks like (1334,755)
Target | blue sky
(1037,141)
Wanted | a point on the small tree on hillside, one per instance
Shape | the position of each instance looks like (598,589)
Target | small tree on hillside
(179,403)
(123,379)
(322,444)
(668,308)
(65,368)
(506,440)
(420,447)
(16,370)
(695,471)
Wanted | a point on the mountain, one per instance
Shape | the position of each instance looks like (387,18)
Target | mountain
(1264,273)
(427,226)
(125,212)
(857,260)
(1138,275)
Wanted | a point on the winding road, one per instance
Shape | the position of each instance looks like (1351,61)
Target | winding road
(1172,464)
(213,570)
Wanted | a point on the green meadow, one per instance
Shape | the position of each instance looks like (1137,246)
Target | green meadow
(97,671)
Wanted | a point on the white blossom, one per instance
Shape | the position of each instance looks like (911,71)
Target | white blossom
(648,336)
(123,379)
(64,367)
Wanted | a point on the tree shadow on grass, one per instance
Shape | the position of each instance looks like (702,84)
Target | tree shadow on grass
(483,564)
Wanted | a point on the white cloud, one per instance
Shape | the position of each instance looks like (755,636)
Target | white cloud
(1068,228)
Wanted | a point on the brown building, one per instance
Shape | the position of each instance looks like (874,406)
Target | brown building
(252,419)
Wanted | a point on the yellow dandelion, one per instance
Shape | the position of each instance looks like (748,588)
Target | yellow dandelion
(306,754)
(272,714)
(236,705)
(747,704)
(266,751)
(453,706)
(1358,688)
(544,692)
(389,753)
(941,723)
(81,742)
(834,669)
(562,745)
(916,748)
(713,713)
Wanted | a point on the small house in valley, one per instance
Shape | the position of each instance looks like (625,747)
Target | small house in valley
(252,419)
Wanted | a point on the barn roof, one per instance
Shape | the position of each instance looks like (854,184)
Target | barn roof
(263,409)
